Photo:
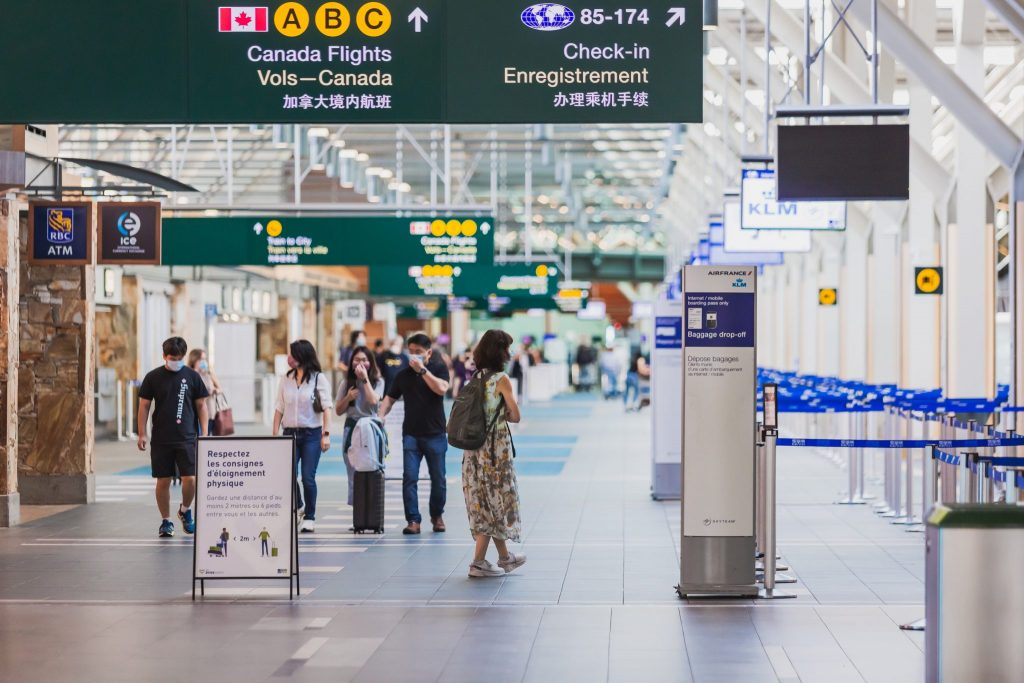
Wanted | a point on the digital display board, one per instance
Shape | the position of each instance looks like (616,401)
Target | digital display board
(761,210)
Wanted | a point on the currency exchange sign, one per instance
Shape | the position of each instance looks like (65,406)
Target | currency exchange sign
(327,241)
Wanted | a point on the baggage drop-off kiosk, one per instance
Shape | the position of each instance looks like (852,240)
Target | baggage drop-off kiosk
(718,441)
(666,392)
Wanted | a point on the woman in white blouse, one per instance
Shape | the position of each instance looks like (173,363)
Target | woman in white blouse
(303,409)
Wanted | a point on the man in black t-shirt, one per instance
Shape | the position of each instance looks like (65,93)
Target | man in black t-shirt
(423,385)
(177,395)
(391,362)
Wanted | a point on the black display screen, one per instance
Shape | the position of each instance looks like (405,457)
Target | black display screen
(843,162)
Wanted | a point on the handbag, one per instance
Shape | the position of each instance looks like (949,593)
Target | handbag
(224,422)
(318,405)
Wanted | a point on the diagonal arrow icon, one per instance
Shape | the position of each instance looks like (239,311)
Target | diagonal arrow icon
(676,15)
(418,17)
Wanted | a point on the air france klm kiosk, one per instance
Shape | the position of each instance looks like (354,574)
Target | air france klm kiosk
(719,422)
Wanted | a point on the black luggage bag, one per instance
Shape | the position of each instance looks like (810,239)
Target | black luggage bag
(368,502)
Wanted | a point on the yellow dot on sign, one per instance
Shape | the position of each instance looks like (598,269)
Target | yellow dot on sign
(428,271)
(332,19)
(291,19)
(448,271)
(928,280)
(827,297)
(454,228)
(542,271)
(468,228)
(373,19)
(437,228)
(274,228)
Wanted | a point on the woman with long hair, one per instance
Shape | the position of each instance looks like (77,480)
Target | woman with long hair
(303,397)
(198,361)
(359,395)
(488,474)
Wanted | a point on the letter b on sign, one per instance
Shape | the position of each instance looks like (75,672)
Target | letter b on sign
(333,19)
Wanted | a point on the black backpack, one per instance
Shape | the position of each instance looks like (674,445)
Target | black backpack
(468,427)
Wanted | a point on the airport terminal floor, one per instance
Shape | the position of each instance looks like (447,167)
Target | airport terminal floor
(91,594)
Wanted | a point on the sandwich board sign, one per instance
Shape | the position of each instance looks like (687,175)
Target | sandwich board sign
(245,511)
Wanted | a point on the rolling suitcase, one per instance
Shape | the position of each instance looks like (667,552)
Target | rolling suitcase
(368,502)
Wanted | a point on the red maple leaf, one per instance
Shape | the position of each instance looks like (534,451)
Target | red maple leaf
(243,19)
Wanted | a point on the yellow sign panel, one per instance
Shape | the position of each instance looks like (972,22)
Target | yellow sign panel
(827,296)
(928,280)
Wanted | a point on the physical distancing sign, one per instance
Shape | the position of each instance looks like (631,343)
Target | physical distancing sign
(928,280)
(828,296)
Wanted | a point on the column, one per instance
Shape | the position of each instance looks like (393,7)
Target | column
(853,303)
(883,292)
(970,249)
(458,326)
(828,316)
(56,382)
(9,498)
(807,360)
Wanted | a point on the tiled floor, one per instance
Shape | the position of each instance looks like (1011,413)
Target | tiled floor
(91,594)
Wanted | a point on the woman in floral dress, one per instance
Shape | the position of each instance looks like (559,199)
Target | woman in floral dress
(488,475)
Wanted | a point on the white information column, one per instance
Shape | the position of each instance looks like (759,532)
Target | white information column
(718,458)
(666,394)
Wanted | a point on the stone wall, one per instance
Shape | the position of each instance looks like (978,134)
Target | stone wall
(9,499)
(56,382)
(116,339)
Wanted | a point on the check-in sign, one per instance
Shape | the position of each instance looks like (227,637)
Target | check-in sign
(130,233)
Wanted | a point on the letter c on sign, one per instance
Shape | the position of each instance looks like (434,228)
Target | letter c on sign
(373,19)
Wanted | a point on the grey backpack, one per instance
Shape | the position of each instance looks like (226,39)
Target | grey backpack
(468,427)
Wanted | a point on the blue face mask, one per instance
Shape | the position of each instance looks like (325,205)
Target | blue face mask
(203,365)
(175,365)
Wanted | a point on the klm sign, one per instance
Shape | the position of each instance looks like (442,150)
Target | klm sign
(762,212)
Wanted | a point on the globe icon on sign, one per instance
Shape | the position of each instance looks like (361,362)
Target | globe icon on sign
(547,16)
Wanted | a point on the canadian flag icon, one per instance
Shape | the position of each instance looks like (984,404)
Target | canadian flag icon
(243,19)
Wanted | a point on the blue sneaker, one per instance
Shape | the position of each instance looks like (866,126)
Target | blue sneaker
(187,523)
(166,528)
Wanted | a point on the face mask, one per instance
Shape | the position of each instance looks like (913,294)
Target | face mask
(203,365)
(175,365)
(396,349)
(420,357)
(361,341)
(292,363)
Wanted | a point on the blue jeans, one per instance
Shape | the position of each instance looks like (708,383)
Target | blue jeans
(613,382)
(433,448)
(307,458)
(632,387)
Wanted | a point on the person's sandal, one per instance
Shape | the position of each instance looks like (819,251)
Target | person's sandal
(439,527)
(412,529)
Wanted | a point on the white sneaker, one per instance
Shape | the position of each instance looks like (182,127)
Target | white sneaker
(484,569)
(512,562)
(308,526)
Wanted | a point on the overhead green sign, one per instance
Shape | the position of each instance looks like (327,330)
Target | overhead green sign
(359,61)
(327,241)
(511,280)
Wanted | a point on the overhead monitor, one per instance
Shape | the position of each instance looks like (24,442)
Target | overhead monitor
(761,211)
(739,240)
(844,162)
(720,257)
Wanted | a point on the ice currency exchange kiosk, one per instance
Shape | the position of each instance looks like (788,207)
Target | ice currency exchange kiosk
(718,443)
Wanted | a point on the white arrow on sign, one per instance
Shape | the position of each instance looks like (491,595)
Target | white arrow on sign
(676,15)
(418,17)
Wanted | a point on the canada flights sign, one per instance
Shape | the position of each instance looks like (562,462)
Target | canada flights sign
(362,61)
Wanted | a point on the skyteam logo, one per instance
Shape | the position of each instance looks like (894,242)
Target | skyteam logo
(548,16)
(60,226)
(739,283)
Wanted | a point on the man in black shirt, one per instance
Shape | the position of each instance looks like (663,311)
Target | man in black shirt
(177,395)
(391,362)
(423,385)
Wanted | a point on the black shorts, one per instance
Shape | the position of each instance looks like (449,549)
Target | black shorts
(164,456)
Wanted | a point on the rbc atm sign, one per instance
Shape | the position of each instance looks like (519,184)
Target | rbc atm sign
(60,233)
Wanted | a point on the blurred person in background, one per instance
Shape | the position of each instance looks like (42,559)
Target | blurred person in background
(392,361)
(355,340)
(198,361)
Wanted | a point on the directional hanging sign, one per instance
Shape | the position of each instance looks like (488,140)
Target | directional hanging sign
(358,61)
(928,280)
(328,241)
(515,281)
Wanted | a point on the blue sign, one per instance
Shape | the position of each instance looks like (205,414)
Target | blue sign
(60,233)
(668,332)
(716,320)
(211,310)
